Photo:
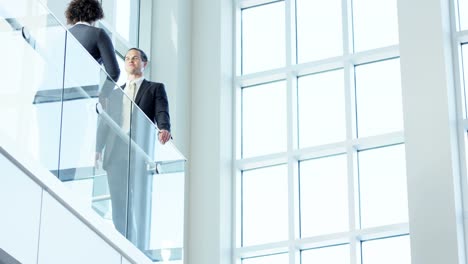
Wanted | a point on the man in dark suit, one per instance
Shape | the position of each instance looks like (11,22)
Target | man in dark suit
(129,143)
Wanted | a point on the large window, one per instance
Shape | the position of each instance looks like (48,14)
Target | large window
(320,150)
(319,30)
(263,119)
(263,34)
(123,18)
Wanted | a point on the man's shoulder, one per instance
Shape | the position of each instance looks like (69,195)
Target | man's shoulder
(152,84)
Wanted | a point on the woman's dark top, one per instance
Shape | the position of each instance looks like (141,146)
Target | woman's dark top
(99,45)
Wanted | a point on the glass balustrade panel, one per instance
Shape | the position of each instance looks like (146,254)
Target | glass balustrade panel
(113,145)
(157,193)
(92,135)
(167,215)
(30,102)
(82,85)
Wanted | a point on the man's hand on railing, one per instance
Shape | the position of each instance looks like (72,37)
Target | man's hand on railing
(164,136)
(98,160)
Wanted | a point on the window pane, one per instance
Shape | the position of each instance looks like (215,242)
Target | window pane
(319,29)
(463,12)
(465,137)
(123,73)
(321,108)
(383,192)
(272,259)
(123,16)
(387,251)
(378,98)
(324,196)
(265,205)
(326,255)
(123,22)
(375,24)
(465,76)
(264,119)
(263,37)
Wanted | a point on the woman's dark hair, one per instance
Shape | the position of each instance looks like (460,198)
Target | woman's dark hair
(83,10)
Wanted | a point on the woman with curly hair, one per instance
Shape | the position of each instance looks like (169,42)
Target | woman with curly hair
(82,15)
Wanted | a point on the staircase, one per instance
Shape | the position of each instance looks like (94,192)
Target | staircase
(49,113)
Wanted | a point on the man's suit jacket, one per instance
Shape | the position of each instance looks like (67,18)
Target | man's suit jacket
(151,98)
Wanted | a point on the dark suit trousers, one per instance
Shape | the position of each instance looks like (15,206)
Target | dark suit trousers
(117,177)
(130,189)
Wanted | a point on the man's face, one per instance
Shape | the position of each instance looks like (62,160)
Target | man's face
(133,63)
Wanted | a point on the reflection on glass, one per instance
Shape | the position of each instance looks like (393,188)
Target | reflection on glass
(156,201)
(264,205)
(378,98)
(375,24)
(143,136)
(324,196)
(383,192)
(326,255)
(85,133)
(319,30)
(263,37)
(387,251)
(264,119)
(270,259)
(321,104)
(112,142)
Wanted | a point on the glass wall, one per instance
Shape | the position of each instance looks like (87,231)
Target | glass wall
(320,152)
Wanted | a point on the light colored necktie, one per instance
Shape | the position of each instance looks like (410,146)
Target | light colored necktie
(127,103)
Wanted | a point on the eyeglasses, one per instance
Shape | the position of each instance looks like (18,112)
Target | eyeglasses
(134,58)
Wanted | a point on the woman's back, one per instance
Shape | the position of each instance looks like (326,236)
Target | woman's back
(98,44)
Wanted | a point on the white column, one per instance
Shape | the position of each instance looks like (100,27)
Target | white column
(170,62)
(211,139)
(191,53)
(170,55)
(430,132)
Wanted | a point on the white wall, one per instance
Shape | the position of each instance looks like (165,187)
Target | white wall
(170,63)
(170,58)
(20,204)
(211,138)
(191,53)
(433,172)
(42,222)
